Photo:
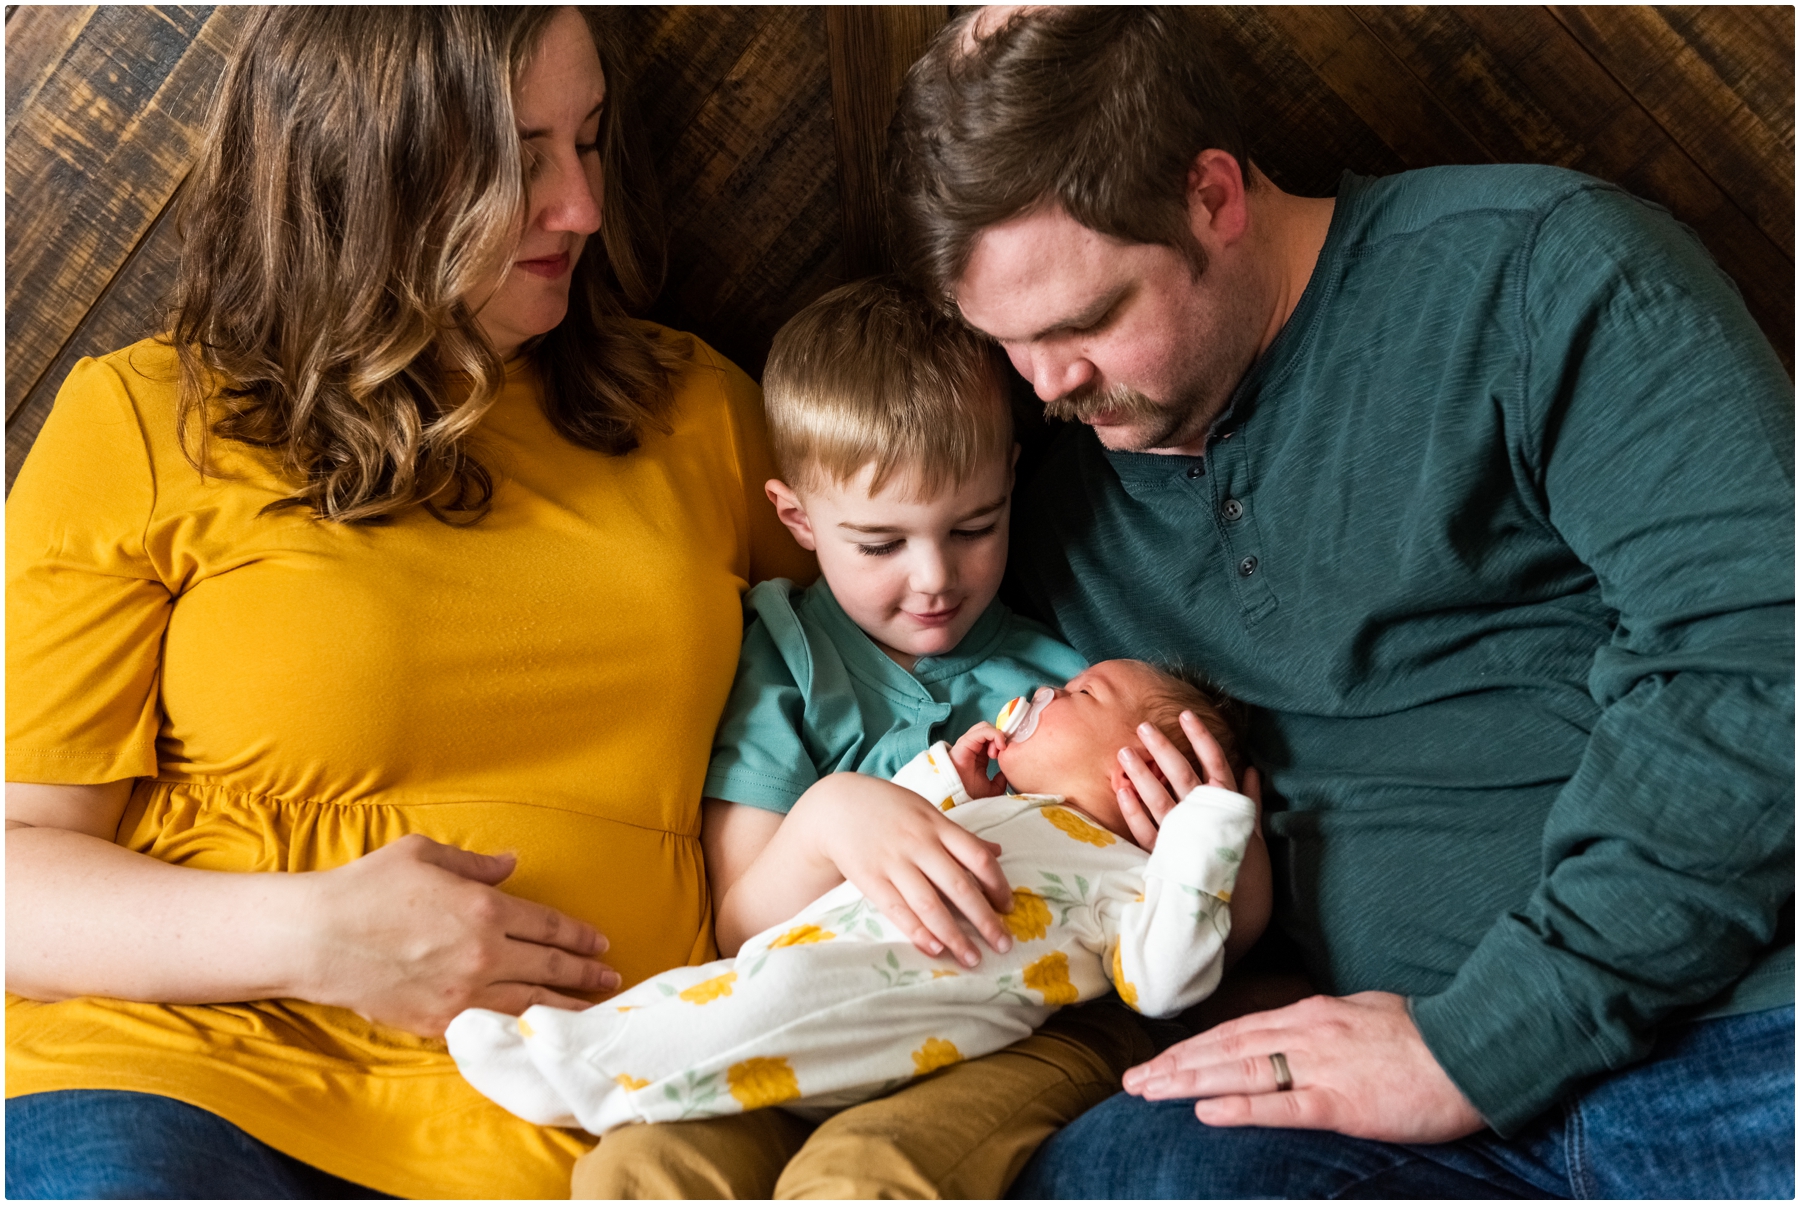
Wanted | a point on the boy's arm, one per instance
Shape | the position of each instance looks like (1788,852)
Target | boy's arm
(732,836)
(917,866)
(1168,946)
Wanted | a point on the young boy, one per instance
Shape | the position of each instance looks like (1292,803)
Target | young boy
(892,432)
(834,1005)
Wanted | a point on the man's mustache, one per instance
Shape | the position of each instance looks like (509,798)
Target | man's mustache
(1119,402)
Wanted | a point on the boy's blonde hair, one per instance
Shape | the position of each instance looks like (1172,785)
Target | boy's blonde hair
(871,373)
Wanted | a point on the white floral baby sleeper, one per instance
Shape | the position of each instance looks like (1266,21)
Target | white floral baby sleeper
(835,1006)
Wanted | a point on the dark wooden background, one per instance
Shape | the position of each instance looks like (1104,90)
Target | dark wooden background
(767,123)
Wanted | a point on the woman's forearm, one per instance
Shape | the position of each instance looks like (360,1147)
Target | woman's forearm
(87,917)
(408,934)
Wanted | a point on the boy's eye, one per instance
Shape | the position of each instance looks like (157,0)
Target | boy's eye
(975,533)
(879,549)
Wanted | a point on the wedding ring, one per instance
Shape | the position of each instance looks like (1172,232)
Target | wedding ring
(1284,1081)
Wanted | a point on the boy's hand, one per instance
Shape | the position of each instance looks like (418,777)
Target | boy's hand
(908,859)
(971,755)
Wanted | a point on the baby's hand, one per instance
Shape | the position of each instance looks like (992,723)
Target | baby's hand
(1151,791)
(971,755)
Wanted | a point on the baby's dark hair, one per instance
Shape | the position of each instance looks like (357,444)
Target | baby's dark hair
(1187,689)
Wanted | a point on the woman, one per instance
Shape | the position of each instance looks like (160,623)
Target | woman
(406,565)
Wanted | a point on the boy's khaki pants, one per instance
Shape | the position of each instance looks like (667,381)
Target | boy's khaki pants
(963,1132)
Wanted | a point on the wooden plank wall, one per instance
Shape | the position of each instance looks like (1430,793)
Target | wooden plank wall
(768,189)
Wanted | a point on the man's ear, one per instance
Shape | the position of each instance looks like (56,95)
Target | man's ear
(791,513)
(1218,212)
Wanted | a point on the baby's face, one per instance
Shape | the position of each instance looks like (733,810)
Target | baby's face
(1074,751)
(914,573)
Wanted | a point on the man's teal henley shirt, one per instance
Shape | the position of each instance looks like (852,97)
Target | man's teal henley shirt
(1497,539)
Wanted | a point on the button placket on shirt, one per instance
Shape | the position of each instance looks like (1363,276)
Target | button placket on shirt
(1227,497)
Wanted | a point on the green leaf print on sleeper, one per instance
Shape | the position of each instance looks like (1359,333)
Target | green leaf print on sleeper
(893,975)
(859,914)
(697,1095)
(1058,893)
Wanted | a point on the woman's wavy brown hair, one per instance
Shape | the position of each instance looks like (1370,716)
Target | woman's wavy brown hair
(361,177)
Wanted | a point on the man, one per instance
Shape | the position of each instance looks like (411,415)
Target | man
(1477,484)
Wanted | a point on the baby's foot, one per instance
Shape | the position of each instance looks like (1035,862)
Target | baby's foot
(489,1050)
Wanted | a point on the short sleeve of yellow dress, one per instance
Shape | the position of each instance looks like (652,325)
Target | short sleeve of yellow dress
(292,694)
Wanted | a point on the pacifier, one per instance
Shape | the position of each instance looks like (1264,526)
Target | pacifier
(1018,719)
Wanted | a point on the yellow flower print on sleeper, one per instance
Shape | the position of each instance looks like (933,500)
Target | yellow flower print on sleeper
(846,1008)
(1078,827)
(708,990)
(1122,985)
(760,1082)
(1030,917)
(1049,975)
(933,1054)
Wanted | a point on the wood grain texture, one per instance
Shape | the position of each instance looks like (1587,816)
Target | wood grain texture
(1301,133)
(92,161)
(35,43)
(1743,155)
(870,47)
(737,106)
(1377,87)
(126,311)
(1689,106)
(1530,92)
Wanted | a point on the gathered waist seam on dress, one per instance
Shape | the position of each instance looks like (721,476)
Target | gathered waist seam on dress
(307,801)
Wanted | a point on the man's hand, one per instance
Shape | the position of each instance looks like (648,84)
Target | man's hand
(1357,1063)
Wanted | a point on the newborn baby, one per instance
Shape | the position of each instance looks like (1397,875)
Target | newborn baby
(835,1005)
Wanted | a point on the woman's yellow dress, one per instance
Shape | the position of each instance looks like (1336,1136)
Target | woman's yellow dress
(291,694)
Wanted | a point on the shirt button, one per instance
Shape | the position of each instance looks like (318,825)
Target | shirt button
(1247,566)
(1194,471)
(1233,510)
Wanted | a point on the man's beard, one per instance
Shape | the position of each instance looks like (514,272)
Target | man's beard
(1153,425)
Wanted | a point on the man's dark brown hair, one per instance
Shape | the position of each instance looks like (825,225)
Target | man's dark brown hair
(1099,110)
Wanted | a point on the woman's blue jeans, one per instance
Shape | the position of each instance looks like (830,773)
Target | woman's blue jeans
(1710,1115)
(128,1145)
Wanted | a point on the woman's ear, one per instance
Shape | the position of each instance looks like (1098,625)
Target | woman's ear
(791,513)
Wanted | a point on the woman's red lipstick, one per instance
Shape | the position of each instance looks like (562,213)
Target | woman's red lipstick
(549,267)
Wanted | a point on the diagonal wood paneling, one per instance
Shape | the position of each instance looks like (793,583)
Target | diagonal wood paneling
(1742,154)
(92,161)
(737,104)
(1528,89)
(97,143)
(1692,107)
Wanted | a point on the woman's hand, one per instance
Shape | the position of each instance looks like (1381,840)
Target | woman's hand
(1148,795)
(911,861)
(417,931)
(978,746)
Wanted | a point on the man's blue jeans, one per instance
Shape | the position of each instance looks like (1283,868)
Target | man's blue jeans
(1711,1114)
(88,1145)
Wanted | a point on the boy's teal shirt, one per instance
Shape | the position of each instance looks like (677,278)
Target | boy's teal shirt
(814,695)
